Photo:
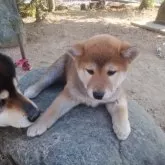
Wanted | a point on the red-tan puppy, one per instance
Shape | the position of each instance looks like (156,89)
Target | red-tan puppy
(93,71)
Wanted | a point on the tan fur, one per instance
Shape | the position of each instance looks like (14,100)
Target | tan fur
(101,54)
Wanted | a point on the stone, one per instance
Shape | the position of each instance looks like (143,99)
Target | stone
(10,24)
(84,136)
(97,4)
(61,7)
(152,26)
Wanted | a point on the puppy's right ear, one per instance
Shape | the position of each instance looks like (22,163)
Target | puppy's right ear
(76,50)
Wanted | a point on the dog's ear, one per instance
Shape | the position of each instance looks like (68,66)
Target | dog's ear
(76,50)
(7,67)
(129,52)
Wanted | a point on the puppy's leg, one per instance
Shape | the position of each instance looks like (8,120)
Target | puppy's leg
(54,72)
(60,106)
(119,114)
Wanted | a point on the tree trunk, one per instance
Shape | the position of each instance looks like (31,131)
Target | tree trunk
(51,4)
(161,14)
(146,4)
(11,24)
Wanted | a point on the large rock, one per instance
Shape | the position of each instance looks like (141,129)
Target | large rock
(84,136)
(10,23)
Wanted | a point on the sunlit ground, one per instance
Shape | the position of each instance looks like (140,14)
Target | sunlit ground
(49,39)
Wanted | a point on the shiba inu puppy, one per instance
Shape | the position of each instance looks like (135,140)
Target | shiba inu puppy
(93,70)
(15,109)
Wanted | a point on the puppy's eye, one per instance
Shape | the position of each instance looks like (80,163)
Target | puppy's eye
(110,72)
(90,71)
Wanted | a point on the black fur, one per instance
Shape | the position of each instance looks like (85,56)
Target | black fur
(7,73)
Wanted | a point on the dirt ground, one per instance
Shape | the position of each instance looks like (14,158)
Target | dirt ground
(47,40)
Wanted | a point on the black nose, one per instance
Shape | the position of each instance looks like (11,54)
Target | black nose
(33,116)
(32,112)
(98,95)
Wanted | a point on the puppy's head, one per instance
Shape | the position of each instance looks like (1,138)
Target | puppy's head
(102,62)
(15,109)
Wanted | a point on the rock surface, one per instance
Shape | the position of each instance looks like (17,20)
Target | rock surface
(10,24)
(84,136)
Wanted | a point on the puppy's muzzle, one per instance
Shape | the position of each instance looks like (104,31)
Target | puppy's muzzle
(32,112)
(98,95)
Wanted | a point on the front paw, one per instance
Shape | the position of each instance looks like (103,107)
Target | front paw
(122,130)
(36,129)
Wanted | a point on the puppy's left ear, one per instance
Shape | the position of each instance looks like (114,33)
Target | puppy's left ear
(76,50)
(130,53)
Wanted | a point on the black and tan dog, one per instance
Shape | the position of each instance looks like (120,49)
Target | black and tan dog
(94,70)
(15,109)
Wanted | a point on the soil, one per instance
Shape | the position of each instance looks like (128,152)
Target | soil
(49,39)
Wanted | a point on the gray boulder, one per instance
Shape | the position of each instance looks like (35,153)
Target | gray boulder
(10,23)
(84,136)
